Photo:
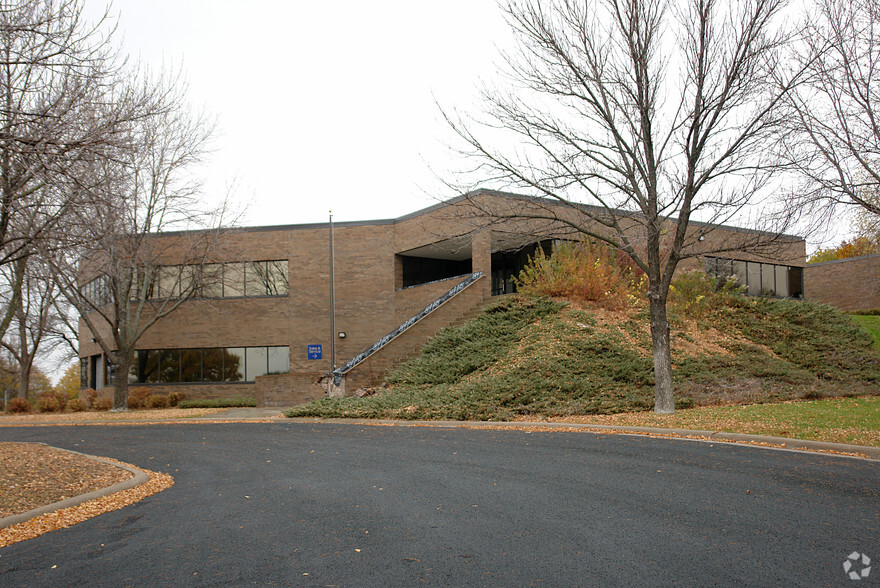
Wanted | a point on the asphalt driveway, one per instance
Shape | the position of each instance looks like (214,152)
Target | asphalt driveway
(348,505)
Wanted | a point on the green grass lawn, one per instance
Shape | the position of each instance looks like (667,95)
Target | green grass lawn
(838,420)
(870,323)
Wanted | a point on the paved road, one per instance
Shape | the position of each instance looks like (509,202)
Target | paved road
(349,505)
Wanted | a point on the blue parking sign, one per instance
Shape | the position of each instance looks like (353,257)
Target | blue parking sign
(314,352)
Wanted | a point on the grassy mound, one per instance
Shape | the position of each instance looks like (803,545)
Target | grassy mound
(537,357)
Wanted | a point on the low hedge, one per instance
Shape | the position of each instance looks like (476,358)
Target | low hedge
(239,401)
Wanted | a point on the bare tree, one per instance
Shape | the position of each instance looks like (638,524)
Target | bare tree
(55,71)
(835,114)
(655,114)
(114,263)
(34,319)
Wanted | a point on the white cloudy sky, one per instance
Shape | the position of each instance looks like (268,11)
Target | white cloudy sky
(322,105)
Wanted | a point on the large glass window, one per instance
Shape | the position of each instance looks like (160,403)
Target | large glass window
(212,365)
(148,367)
(233,280)
(169,366)
(168,281)
(767,279)
(781,280)
(190,365)
(753,275)
(277,283)
(279,360)
(212,280)
(255,278)
(233,364)
(256,363)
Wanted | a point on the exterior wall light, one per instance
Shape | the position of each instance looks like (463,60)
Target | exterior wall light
(342,334)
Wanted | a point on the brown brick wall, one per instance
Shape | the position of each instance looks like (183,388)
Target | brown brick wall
(848,284)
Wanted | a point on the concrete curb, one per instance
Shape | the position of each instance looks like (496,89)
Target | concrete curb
(138,478)
(786,443)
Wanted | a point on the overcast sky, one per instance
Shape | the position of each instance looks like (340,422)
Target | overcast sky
(322,105)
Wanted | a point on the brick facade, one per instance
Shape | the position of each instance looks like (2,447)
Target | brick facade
(848,284)
(369,299)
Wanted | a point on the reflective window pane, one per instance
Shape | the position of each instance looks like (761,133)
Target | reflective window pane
(212,365)
(279,360)
(211,278)
(277,282)
(233,364)
(233,280)
(781,280)
(257,362)
(739,271)
(187,280)
(190,365)
(169,366)
(754,277)
(768,280)
(168,277)
(255,278)
(148,366)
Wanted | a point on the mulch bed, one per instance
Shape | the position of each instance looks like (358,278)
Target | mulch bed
(34,475)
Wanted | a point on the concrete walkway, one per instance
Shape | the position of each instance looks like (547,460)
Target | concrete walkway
(244,413)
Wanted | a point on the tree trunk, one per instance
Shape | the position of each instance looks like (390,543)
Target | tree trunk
(120,386)
(664,403)
(24,378)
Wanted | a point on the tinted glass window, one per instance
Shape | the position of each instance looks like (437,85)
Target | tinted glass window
(279,360)
(167,281)
(768,279)
(277,282)
(190,365)
(255,278)
(739,270)
(233,364)
(233,279)
(169,366)
(257,362)
(148,366)
(754,277)
(781,280)
(212,365)
(212,280)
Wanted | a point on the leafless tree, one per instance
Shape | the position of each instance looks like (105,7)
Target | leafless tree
(34,319)
(835,115)
(55,73)
(656,114)
(113,261)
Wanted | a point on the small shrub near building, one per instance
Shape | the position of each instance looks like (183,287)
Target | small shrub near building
(102,403)
(585,271)
(18,405)
(138,397)
(157,401)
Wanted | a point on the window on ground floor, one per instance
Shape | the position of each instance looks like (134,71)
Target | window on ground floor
(217,364)
(760,279)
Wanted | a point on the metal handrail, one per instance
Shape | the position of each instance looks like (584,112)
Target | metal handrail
(360,357)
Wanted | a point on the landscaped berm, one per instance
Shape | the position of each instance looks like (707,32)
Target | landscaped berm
(539,356)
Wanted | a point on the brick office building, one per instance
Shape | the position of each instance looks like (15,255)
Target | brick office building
(268,327)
